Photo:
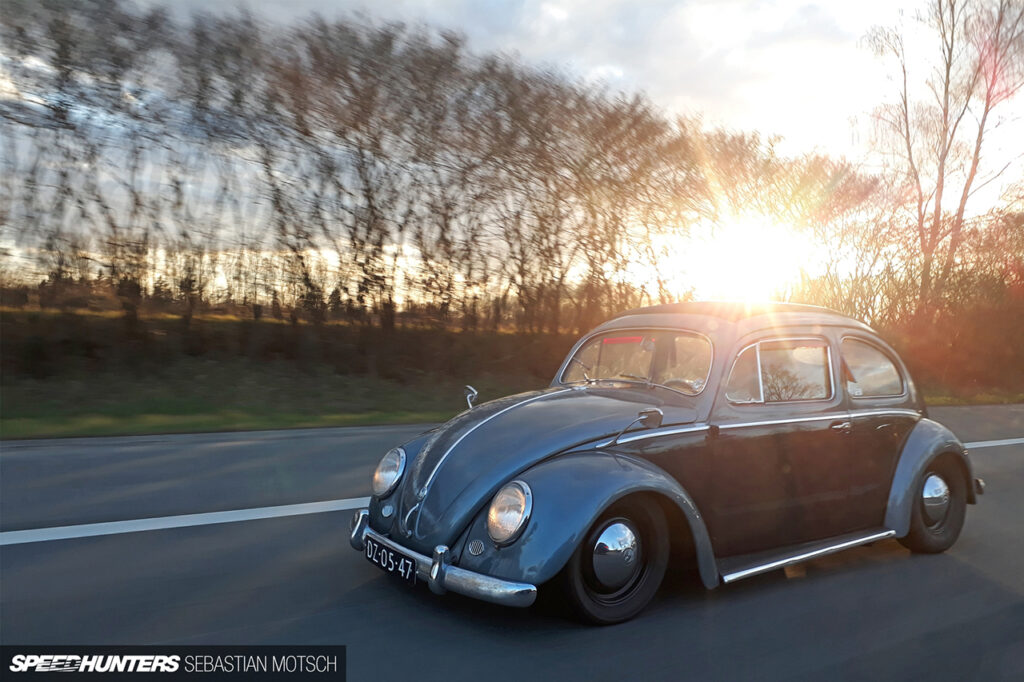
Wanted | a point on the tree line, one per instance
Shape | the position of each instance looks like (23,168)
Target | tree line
(384,174)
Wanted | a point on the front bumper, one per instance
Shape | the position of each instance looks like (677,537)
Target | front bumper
(441,576)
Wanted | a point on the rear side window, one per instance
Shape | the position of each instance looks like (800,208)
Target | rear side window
(869,372)
(781,371)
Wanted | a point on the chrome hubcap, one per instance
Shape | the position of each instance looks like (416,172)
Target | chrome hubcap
(935,499)
(616,555)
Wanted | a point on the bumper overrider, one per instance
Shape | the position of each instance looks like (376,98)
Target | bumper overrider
(441,576)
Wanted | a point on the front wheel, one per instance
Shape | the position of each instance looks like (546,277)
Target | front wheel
(939,509)
(618,567)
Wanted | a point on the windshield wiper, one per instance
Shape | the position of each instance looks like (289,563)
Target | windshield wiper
(585,368)
(646,381)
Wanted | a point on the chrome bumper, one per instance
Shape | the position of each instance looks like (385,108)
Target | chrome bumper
(442,576)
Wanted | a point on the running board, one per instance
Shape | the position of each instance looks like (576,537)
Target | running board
(737,568)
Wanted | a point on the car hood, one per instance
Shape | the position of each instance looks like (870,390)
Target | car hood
(464,462)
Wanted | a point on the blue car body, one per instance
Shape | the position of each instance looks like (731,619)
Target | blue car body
(745,486)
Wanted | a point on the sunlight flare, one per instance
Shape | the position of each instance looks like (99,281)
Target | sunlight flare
(748,257)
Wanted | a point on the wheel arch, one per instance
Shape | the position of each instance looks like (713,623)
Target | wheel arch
(569,495)
(928,442)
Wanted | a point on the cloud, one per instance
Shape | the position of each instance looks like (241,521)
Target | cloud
(787,67)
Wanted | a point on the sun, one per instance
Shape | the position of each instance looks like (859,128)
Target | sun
(747,257)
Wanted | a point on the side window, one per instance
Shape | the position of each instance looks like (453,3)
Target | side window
(781,371)
(795,370)
(869,373)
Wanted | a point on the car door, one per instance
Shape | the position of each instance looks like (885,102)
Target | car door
(883,416)
(781,444)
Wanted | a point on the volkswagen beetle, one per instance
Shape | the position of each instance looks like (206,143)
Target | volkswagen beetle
(746,437)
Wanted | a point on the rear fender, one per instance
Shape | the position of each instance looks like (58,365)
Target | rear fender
(569,494)
(927,441)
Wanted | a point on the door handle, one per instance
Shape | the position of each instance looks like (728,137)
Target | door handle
(842,427)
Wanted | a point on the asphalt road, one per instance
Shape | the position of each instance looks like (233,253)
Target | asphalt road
(869,613)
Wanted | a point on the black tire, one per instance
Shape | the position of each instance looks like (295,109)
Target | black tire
(927,537)
(603,606)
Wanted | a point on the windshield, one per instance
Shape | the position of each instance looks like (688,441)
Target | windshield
(678,360)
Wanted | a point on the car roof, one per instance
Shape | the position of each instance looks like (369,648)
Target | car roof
(745,316)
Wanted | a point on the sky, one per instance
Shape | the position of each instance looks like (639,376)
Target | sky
(791,68)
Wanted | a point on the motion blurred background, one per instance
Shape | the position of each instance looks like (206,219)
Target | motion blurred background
(249,218)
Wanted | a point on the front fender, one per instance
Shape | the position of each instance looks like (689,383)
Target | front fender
(569,493)
(927,440)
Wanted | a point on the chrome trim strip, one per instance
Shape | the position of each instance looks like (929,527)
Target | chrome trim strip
(882,412)
(430,479)
(644,435)
(760,374)
(442,576)
(804,556)
(772,422)
(822,417)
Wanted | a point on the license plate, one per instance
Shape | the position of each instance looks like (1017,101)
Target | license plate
(391,561)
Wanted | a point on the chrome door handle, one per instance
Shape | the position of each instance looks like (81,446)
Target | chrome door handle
(844,427)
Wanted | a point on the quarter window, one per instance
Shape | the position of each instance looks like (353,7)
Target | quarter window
(744,386)
(781,371)
(869,373)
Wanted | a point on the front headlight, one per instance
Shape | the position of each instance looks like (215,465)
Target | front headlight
(389,472)
(509,512)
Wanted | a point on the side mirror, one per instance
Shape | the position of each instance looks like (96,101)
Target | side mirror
(649,418)
(471,395)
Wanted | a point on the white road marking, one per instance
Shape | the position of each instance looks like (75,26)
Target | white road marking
(86,530)
(994,443)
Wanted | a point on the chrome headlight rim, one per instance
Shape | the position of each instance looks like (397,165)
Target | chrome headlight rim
(400,471)
(524,518)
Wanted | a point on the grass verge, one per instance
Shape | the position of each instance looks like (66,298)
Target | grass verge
(983,398)
(203,395)
(194,394)
(143,424)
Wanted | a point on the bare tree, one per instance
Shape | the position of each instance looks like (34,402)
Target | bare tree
(938,141)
